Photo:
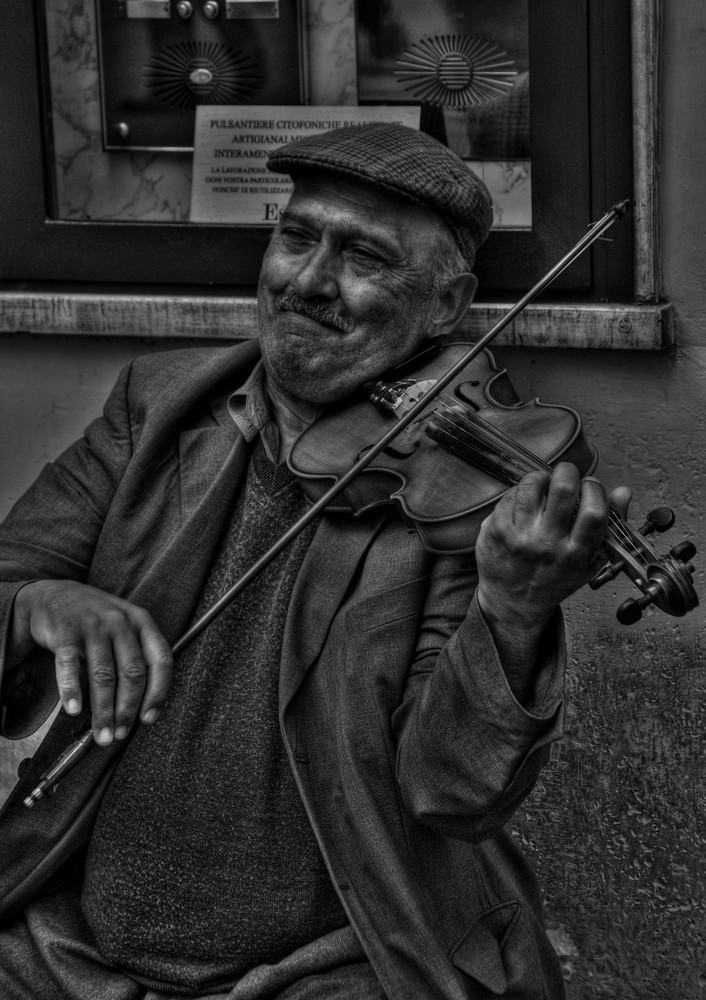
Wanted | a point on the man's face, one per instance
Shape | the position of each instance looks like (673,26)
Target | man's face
(345,287)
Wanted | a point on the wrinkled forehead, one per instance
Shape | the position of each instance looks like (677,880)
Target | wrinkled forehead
(329,199)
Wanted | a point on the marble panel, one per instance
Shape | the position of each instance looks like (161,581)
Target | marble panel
(92,184)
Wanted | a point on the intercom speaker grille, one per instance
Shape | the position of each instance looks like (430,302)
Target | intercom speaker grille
(455,71)
(190,73)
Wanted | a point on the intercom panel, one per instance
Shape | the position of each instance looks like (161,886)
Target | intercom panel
(159,59)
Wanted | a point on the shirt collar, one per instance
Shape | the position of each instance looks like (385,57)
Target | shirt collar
(250,409)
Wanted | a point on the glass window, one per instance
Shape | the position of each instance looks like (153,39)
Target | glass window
(99,100)
(466,62)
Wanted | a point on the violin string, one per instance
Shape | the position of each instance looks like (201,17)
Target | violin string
(476,426)
(453,406)
(477,429)
(487,433)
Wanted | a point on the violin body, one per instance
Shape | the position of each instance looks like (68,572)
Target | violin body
(454,458)
(447,469)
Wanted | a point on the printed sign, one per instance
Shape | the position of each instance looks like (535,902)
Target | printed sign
(231,184)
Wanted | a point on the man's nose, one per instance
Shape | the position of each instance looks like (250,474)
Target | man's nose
(316,275)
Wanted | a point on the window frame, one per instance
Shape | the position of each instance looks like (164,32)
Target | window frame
(203,261)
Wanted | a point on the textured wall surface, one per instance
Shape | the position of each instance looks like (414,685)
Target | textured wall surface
(616,827)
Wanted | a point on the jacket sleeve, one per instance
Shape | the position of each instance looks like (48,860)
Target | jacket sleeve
(467,752)
(51,533)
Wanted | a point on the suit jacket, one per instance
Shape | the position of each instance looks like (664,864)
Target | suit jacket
(406,744)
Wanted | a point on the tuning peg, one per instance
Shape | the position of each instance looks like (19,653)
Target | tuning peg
(684,551)
(630,611)
(660,519)
(605,574)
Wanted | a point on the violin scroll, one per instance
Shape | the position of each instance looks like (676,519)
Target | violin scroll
(665,581)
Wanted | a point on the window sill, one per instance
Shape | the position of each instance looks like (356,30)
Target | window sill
(216,316)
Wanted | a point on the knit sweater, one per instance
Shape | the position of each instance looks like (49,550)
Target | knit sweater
(203,864)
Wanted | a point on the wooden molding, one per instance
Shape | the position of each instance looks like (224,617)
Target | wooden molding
(222,317)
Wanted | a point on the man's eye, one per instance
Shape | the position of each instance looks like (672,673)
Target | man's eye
(296,237)
(363,255)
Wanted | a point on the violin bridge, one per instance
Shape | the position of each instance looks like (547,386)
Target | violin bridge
(399,396)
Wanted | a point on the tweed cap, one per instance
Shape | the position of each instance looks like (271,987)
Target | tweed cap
(404,162)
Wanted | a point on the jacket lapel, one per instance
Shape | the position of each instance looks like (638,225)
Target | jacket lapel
(212,462)
(325,575)
(206,459)
(206,455)
(212,466)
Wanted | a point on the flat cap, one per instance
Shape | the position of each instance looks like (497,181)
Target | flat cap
(406,163)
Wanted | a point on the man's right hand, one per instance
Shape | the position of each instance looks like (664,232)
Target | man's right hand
(127,661)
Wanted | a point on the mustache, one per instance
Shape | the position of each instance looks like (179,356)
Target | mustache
(316,308)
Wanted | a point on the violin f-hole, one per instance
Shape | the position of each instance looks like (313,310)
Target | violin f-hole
(465,396)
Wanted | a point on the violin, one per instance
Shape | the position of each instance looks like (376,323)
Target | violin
(476,431)
(448,467)
(446,470)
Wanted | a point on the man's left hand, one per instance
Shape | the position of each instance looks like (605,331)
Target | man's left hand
(542,542)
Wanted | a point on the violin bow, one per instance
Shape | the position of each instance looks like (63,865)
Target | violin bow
(77,750)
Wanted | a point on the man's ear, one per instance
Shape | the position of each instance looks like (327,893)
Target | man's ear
(453,303)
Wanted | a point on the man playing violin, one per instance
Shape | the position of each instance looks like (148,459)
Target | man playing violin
(312,802)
